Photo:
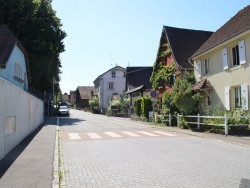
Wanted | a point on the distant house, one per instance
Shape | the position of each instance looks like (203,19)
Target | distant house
(222,64)
(138,82)
(72,97)
(65,97)
(110,85)
(175,48)
(83,94)
(14,63)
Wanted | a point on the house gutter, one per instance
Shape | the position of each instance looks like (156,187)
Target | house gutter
(221,43)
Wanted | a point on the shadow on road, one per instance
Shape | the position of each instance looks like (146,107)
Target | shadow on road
(65,121)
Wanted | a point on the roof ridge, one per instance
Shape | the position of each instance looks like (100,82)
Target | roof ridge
(186,29)
(236,25)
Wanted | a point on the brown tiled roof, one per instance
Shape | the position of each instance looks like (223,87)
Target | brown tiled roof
(235,26)
(85,91)
(7,42)
(184,42)
(203,84)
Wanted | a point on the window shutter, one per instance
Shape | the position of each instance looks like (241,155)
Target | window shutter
(242,52)
(224,58)
(244,96)
(227,98)
(199,67)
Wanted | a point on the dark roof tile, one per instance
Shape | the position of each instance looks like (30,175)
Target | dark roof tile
(184,43)
(137,76)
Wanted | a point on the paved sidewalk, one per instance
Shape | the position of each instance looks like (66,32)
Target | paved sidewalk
(30,164)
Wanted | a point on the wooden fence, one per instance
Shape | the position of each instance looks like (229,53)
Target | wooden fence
(199,121)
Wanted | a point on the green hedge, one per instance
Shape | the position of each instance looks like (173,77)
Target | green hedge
(142,106)
(146,106)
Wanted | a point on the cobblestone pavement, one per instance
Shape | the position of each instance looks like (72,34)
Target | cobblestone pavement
(178,161)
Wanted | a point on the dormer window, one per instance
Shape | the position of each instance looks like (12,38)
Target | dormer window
(113,74)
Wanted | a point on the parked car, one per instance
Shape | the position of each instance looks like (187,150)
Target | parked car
(63,110)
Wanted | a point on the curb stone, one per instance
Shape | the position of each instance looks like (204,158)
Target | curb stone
(55,182)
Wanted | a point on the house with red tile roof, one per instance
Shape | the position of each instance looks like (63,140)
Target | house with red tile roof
(222,64)
(14,62)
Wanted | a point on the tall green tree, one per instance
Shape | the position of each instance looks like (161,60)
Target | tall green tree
(36,25)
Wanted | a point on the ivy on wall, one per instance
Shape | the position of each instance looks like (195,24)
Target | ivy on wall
(161,73)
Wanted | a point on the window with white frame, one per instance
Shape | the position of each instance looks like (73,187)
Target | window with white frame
(206,67)
(237,96)
(235,56)
(111,85)
(113,74)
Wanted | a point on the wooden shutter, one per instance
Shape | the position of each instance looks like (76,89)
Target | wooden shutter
(199,67)
(227,98)
(242,52)
(244,96)
(224,58)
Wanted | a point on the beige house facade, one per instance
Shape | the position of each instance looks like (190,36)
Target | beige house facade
(222,65)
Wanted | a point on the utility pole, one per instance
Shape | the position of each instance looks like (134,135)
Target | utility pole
(52,112)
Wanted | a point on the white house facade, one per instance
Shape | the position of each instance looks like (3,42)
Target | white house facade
(110,85)
(222,65)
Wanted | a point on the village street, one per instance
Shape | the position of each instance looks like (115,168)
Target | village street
(102,151)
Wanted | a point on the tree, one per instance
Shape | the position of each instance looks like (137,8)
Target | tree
(183,97)
(94,104)
(36,25)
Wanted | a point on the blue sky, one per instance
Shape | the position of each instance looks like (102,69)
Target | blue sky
(105,33)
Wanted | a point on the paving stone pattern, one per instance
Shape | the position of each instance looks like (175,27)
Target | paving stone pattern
(186,162)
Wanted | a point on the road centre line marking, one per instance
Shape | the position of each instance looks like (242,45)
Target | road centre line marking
(112,134)
(164,133)
(94,135)
(74,136)
(147,133)
(130,134)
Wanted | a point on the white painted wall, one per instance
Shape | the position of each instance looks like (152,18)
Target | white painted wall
(16,56)
(20,114)
(230,77)
(105,94)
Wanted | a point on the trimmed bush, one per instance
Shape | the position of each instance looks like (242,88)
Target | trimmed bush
(146,106)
